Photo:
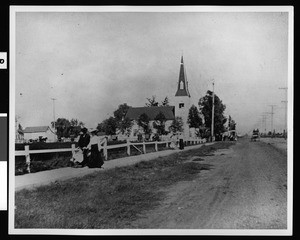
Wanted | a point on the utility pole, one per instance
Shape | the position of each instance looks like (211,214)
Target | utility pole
(272,113)
(213,112)
(265,121)
(53,99)
(265,124)
(285,110)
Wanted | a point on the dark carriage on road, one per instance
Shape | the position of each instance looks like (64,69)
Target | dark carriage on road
(230,135)
(255,135)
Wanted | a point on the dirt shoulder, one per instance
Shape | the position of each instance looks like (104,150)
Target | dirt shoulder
(278,143)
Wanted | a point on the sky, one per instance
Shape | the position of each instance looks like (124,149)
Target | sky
(91,62)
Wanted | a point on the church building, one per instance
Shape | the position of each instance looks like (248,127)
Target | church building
(182,99)
(180,108)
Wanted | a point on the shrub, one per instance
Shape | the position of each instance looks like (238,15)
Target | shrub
(38,166)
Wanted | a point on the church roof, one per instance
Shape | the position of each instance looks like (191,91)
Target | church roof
(36,129)
(134,113)
(182,91)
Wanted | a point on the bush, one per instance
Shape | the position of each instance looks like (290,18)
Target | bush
(44,145)
(42,162)
(38,166)
(116,142)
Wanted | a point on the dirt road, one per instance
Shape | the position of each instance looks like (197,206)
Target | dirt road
(246,188)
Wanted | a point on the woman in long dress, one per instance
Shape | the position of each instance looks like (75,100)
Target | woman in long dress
(173,143)
(95,159)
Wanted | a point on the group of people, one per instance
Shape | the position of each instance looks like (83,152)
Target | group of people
(90,145)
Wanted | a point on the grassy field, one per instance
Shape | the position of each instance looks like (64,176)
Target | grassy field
(109,199)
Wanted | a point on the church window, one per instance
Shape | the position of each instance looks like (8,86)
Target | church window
(181,85)
(181,105)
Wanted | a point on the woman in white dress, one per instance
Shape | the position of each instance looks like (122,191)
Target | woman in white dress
(173,143)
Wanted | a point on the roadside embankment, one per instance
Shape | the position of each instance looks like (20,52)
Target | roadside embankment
(278,143)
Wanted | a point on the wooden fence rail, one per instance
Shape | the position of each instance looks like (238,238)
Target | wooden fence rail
(104,145)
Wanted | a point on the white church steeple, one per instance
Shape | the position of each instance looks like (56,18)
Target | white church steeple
(182,89)
(182,99)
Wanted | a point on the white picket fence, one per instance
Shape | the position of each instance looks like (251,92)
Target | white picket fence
(27,152)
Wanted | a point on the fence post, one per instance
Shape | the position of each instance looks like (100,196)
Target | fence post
(27,156)
(105,149)
(156,149)
(73,150)
(144,147)
(167,144)
(128,147)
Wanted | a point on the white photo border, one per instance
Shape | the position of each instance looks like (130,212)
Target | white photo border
(12,59)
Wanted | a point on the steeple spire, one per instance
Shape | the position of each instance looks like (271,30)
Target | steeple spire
(182,89)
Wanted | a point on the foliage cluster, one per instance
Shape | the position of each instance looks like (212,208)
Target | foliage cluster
(67,128)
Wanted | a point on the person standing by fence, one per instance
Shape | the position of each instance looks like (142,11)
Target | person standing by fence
(95,158)
(181,142)
(83,142)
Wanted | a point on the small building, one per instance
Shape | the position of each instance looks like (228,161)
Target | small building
(19,136)
(35,133)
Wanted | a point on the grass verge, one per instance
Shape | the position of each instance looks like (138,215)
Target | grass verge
(110,199)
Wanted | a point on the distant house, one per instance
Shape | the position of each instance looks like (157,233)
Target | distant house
(19,136)
(134,113)
(40,131)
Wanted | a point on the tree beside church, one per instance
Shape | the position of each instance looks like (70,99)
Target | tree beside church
(205,105)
